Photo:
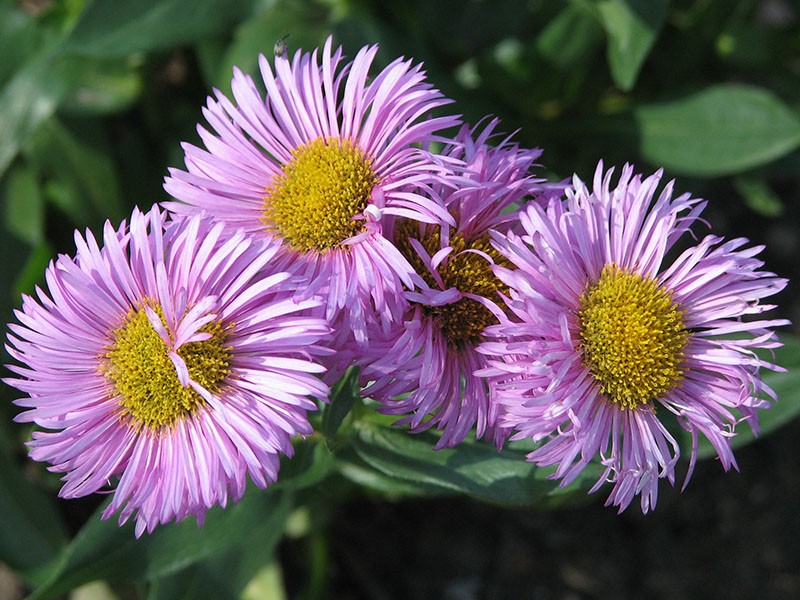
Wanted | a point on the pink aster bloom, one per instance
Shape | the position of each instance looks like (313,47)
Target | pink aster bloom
(172,361)
(318,163)
(423,369)
(608,337)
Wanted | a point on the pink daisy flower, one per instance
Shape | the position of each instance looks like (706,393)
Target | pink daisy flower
(423,369)
(174,362)
(317,164)
(610,337)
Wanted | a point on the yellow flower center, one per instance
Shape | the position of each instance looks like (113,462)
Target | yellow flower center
(311,204)
(461,322)
(632,336)
(145,378)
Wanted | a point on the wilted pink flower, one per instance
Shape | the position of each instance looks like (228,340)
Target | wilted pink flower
(610,339)
(423,369)
(169,363)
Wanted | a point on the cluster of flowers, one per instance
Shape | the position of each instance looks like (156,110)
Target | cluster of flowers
(318,230)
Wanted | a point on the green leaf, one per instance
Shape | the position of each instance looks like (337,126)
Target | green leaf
(631,28)
(226,574)
(343,397)
(111,86)
(32,272)
(720,130)
(311,463)
(103,550)
(473,468)
(267,583)
(109,28)
(304,25)
(19,38)
(569,37)
(105,30)
(24,208)
(786,386)
(31,96)
(354,469)
(31,531)
(758,196)
(78,162)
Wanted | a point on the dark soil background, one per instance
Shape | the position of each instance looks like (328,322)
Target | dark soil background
(731,535)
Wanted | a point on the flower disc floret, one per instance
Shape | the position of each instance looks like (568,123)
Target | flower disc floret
(145,379)
(468,268)
(313,202)
(632,337)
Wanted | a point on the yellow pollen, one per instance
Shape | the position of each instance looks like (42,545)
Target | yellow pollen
(632,336)
(461,322)
(145,379)
(311,204)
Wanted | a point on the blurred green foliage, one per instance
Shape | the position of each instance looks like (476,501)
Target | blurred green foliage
(96,96)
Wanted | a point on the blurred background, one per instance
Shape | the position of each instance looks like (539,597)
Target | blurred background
(95,98)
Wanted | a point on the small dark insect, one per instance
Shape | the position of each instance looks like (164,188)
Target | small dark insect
(281,48)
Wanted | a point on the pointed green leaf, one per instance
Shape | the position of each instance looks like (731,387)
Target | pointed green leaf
(311,463)
(31,531)
(476,469)
(32,272)
(82,167)
(103,550)
(24,208)
(354,469)
(569,37)
(344,395)
(267,583)
(31,96)
(304,25)
(109,28)
(225,574)
(19,38)
(631,28)
(111,86)
(720,130)
(758,195)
